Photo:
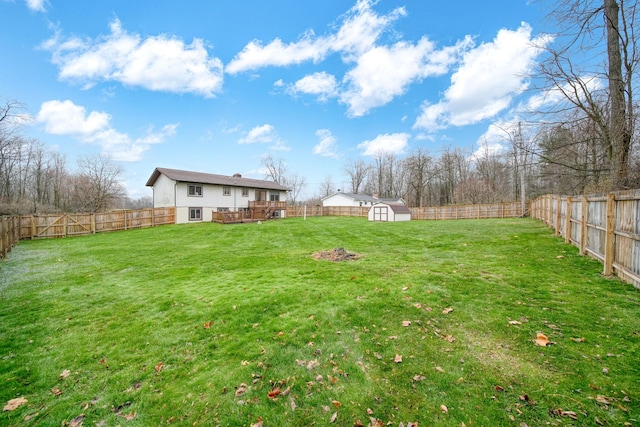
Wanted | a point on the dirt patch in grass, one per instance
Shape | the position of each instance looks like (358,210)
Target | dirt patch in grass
(336,255)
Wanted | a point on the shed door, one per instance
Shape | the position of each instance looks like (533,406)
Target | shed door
(380,213)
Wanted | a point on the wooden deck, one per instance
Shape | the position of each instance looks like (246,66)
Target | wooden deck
(257,211)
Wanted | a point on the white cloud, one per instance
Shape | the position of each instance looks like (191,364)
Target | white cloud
(391,143)
(326,145)
(383,73)
(377,73)
(322,84)
(358,32)
(158,63)
(264,134)
(486,82)
(67,118)
(36,5)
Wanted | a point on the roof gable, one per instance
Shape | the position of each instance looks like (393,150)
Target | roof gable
(208,178)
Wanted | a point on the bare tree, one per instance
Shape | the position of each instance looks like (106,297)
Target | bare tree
(296,185)
(327,187)
(420,169)
(96,187)
(357,171)
(604,28)
(275,170)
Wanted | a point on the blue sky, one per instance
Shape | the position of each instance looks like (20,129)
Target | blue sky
(214,86)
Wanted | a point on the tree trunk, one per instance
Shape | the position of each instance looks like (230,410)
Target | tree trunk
(620,144)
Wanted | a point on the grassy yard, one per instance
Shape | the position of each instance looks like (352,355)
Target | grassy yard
(238,325)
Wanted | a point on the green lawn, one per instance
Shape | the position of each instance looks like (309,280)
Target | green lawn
(232,325)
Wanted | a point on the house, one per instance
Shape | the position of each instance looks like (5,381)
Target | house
(207,197)
(389,212)
(354,200)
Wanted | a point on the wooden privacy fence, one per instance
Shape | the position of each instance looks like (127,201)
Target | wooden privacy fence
(484,211)
(9,234)
(606,227)
(47,226)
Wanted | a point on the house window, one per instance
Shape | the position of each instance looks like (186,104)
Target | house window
(226,191)
(245,192)
(274,197)
(195,190)
(195,214)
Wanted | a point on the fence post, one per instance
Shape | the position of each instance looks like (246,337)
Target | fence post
(583,225)
(33,227)
(609,243)
(558,214)
(567,221)
(3,238)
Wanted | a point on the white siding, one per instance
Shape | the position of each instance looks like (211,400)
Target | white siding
(212,199)
(164,192)
(339,200)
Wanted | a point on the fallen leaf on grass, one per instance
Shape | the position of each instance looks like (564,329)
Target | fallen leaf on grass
(444,409)
(406,323)
(449,338)
(130,416)
(273,394)
(56,391)
(258,424)
(419,378)
(577,339)
(159,366)
(242,388)
(77,421)
(561,413)
(64,374)
(398,358)
(14,404)
(542,340)
(439,369)
(447,310)
(207,325)
(334,417)
(604,399)
(514,322)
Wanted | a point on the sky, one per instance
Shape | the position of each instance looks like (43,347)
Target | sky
(215,86)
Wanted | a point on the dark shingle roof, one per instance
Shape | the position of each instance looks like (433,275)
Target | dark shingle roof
(208,178)
(398,208)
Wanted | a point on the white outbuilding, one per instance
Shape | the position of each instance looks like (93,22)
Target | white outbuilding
(389,212)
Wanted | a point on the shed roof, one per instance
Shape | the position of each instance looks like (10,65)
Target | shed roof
(395,207)
(208,178)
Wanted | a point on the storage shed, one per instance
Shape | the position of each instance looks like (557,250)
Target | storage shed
(389,212)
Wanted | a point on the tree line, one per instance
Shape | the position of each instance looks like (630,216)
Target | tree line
(35,179)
